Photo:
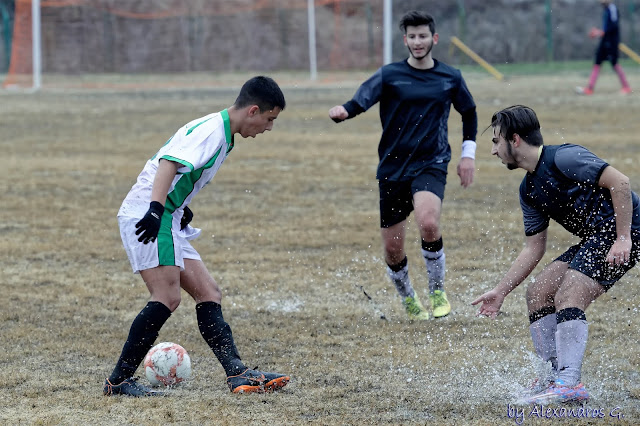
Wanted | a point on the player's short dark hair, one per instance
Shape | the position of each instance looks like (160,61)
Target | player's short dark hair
(262,91)
(416,18)
(521,120)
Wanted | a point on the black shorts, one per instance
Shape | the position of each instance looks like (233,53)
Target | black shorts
(396,198)
(607,51)
(590,258)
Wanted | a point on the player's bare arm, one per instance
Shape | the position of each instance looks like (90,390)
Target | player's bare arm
(149,225)
(527,260)
(618,184)
(162,182)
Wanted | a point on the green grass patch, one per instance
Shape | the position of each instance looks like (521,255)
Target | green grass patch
(546,68)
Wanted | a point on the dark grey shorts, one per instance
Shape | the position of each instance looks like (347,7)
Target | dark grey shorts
(396,198)
(590,257)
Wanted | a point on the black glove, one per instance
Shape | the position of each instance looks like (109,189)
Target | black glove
(149,225)
(186,217)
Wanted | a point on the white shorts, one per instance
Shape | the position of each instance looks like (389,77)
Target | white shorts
(165,250)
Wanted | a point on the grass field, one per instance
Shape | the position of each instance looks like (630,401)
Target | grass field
(290,231)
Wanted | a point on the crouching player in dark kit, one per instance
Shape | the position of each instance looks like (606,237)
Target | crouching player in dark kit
(590,199)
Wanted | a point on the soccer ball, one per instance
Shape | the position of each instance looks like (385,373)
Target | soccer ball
(167,364)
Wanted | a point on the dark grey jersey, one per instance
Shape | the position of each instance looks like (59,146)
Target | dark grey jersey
(564,187)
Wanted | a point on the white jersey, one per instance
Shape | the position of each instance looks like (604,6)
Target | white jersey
(199,147)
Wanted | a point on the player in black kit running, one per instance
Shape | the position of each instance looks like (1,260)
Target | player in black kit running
(415,97)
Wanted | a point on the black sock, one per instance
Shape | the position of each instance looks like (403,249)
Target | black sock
(217,333)
(433,246)
(570,314)
(541,313)
(398,267)
(144,331)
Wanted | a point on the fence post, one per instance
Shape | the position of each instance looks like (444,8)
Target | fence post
(549,27)
(631,21)
(369,15)
(283,25)
(462,21)
(108,38)
(6,26)
(387,16)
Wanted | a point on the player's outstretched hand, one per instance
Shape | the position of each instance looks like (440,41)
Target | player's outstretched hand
(338,113)
(187,216)
(491,303)
(149,225)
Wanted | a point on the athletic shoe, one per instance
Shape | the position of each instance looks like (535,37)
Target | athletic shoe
(626,91)
(560,393)
(256,381)
(414,308)
(129,387)
(538,385)
(584,91)
(439,304)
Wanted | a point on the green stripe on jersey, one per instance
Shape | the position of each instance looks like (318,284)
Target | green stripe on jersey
(185,185)
(227,129)
(194,127)
(177,160)
(166,249)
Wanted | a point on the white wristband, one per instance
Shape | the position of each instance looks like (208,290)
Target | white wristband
(468,149)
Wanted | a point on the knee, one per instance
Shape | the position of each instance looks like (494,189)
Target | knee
(217,295)
(170,299)
(531,293)
(430,230)
(174,302)
(537,298)
(532,299)
(213,295)
(393,252)
(562,299)
(393,244)
(429,226)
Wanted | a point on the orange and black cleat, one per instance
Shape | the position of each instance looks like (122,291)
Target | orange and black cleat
(253,381)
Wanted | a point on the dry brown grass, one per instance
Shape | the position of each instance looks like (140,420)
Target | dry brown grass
(291,234)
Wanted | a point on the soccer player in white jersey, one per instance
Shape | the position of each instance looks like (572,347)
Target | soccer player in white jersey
(154,226)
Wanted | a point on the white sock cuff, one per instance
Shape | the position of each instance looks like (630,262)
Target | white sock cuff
(432,255)
(396,275)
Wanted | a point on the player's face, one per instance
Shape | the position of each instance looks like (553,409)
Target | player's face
(420,41)
(502,149)
(258,122)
